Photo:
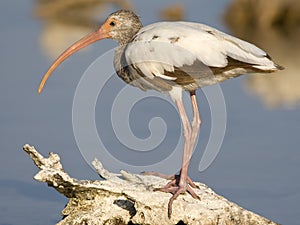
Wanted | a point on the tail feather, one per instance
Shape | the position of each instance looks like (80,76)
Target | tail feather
(269,66)
(279,67)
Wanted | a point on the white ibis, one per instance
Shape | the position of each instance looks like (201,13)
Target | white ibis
(173,57)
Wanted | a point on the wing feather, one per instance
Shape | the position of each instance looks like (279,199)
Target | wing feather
(161,49)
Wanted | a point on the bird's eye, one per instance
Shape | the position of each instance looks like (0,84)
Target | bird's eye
(112,23)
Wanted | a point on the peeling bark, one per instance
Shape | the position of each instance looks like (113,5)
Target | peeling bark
(127,198)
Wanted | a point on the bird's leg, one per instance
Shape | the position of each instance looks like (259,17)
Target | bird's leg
(190,132)
(190,140)
(182,183)
(187,131)
(174,186)
(195,126)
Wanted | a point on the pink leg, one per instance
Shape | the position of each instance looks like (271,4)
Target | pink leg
(196,122)
(182,183)
(190,132)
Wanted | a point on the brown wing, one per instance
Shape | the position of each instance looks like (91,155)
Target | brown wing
(199,75)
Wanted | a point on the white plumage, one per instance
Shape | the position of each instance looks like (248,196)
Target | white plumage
(162,46)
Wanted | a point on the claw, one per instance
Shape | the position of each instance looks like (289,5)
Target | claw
(173,187)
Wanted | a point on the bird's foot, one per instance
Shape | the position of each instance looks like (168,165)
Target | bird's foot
(173,187)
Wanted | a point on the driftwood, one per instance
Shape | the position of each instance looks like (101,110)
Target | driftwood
(127,198)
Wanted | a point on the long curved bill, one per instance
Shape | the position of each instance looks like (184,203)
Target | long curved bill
(85,41)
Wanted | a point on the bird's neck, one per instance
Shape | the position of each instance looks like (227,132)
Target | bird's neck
(126,35)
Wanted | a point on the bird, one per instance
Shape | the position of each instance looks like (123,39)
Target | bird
(173,57)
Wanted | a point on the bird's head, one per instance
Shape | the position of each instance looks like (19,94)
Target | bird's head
(120,26)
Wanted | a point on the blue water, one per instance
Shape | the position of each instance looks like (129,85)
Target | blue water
(257,167)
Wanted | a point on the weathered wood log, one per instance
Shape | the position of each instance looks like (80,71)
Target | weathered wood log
(127,198)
